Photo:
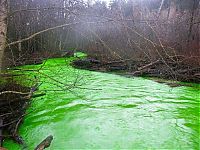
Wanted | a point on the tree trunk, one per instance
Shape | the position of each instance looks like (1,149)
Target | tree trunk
(191,23)
(3,29)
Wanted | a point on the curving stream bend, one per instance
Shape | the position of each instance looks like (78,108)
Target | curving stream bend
(106,111)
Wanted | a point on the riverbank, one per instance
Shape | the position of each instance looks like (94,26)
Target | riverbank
(178,71)
(14,100)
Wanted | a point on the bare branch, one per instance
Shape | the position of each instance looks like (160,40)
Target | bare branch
(46,30)
(161,5)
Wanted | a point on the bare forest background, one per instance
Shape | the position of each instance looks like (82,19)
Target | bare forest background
(137,30)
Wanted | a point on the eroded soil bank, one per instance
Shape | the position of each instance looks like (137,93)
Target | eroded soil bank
(167,69)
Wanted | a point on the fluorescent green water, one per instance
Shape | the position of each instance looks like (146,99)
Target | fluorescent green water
(108,111)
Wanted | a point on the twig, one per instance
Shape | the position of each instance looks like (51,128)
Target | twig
(7,124)
(17,126)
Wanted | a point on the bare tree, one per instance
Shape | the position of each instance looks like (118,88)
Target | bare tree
(3,29)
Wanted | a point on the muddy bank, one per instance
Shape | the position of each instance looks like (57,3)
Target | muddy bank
(167,69)
(14,100)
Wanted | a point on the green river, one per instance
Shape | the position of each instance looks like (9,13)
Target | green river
(108,111)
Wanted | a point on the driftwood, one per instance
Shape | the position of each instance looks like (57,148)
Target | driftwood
(149,65)
(146,68)
(45,143)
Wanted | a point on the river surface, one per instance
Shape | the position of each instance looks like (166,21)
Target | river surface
(92,110)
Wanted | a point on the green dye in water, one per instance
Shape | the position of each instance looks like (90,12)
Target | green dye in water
(106,111)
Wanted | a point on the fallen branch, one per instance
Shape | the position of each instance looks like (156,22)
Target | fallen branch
(28,95)
(38,95)
(7,124)
(149,65)
(49,29)
(45,143)
(13,92)
(17,126)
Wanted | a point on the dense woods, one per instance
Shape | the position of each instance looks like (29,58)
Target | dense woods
(137,30)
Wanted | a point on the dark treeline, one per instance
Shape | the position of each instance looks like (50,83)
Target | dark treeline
(131,29)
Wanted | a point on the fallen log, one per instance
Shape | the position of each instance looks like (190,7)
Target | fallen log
(45,143)
(148,65)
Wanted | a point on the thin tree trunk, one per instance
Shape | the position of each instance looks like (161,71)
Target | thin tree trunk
(161,5)
(191,23)
(3,29)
